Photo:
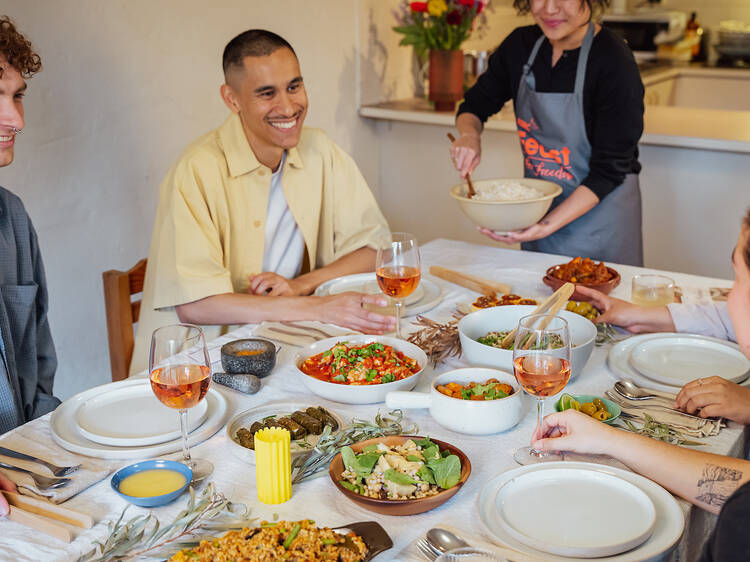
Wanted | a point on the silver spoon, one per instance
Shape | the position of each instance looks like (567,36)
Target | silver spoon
(629,389)
(444,540)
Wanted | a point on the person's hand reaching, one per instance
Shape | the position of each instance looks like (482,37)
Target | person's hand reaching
(572,431)
(715,397)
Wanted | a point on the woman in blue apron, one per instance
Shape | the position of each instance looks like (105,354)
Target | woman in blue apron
(578,99)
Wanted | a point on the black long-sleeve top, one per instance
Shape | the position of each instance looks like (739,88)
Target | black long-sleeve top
(612,97)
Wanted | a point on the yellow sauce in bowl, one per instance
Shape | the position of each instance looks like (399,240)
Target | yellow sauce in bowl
(149,483)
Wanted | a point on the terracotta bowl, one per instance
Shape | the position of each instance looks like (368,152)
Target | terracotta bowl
(399,507)
(606,287)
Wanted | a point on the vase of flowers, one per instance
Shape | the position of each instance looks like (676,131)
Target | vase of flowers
(437,28)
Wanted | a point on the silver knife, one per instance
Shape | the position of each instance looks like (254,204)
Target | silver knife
(56,470)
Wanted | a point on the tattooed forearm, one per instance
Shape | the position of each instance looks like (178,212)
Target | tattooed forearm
(716,484)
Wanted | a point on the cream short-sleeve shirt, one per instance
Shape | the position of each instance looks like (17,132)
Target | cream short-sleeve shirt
(209,232)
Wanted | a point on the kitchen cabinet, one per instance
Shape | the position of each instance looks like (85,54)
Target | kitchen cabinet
(660,93)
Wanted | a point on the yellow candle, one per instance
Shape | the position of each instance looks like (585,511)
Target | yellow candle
(273,465)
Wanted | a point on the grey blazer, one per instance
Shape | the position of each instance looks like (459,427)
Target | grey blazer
(28,354)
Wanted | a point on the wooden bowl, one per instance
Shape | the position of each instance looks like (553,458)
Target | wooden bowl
(399,507)
(554,283)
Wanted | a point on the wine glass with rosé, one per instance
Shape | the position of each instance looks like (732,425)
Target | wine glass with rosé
(180,380)
(397,267)
(541,363)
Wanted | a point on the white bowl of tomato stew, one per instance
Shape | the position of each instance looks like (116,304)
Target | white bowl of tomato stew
(360,369)
(490,400)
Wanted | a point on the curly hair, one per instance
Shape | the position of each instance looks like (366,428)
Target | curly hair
(597,7)
(16,49)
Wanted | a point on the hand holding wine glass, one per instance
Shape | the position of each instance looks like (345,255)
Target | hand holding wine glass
(398,270)
(181,383)
(541,363)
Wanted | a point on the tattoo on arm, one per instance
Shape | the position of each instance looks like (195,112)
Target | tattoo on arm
(717,483)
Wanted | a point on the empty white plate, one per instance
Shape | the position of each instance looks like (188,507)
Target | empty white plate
(133,417)
(425,297)
(677,360)
(65,430)
(578,513)
(668,528)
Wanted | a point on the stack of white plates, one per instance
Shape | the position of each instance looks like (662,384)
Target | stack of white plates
(426,296)
(571,510)
(124,420)
(668,361)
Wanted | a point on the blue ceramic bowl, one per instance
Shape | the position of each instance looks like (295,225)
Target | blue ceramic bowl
(613,409)
(152,501)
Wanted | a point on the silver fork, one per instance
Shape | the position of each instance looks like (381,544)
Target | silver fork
(427,550)
(56,470)
(42,482)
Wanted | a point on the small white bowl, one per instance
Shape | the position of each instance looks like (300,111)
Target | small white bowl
(473,417)
(502,318)
(505,216)
(359,393)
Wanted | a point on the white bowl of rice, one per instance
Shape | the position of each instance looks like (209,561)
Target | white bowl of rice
(506,204)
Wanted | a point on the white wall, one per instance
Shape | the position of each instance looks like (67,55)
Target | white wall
(126,85)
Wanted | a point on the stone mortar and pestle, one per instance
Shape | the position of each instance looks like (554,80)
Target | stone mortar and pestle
(245,362)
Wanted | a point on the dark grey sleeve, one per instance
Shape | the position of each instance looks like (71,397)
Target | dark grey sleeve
(44,401)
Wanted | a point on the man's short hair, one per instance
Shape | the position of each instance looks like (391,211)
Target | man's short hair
(16,49)
(252,43)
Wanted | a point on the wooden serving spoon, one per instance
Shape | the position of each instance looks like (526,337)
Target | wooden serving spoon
(551,306)
(472,193)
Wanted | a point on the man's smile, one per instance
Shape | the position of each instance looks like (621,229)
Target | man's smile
(284,123)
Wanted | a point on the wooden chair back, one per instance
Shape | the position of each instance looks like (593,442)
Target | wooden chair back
(122,313)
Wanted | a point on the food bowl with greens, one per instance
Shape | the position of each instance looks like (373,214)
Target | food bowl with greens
(473,400)
(400,474)
(490,325)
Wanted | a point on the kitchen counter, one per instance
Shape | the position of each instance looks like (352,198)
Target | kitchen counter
(693,183)
(664,125)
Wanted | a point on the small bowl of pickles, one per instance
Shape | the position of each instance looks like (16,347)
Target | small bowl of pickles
(598,408)
(584,308)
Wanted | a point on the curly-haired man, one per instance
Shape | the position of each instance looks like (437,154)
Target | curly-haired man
(28,361)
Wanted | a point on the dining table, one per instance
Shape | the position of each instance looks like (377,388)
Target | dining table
(317,498)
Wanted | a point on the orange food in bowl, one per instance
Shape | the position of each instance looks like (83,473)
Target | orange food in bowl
(488,301)
(248,352)
(491,389)
(582,270)
(351,364)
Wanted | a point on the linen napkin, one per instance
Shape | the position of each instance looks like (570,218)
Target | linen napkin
(36,440)
(300,333)
(684,423)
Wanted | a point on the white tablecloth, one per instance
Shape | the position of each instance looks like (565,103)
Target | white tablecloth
(318,499)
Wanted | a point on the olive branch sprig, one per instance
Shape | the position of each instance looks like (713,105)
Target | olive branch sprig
(318,459)
(144,536)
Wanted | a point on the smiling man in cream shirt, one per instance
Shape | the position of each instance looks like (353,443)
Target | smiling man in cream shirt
(249,207)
